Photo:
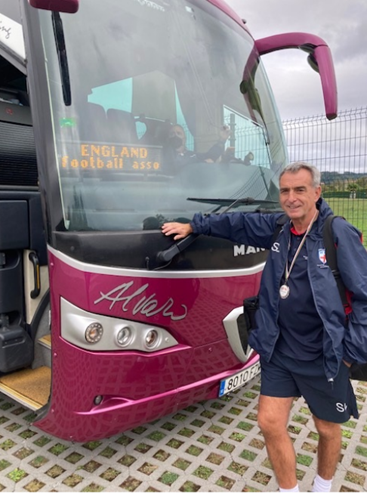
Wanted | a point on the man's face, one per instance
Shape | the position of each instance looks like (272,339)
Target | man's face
(298,196)
(177,137)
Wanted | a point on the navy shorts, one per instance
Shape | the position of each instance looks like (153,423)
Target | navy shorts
(285,377)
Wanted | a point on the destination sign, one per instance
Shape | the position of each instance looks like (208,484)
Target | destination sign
(87,156)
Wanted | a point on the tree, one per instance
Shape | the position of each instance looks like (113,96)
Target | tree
(353,187)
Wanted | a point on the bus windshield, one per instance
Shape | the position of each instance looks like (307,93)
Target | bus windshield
(148,117)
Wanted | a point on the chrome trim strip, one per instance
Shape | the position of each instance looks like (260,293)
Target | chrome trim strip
(233,335)
(138,273)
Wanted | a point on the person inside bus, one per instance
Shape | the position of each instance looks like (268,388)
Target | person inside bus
(177,154)
(249,158)
(305,342)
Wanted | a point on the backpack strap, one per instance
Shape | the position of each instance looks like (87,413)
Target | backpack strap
(280,222)
(331,257)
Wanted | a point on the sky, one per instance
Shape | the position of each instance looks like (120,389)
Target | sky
(341,23)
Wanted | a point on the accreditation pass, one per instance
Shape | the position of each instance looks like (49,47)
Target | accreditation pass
(237,380)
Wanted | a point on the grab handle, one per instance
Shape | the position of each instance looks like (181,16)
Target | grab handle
(36,274)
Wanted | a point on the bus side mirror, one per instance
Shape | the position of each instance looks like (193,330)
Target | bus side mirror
(312,62)
(319,58)
(66,6)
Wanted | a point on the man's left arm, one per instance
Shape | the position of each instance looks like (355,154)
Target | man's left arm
(352,265)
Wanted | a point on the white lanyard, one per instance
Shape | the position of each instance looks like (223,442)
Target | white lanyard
(284,289)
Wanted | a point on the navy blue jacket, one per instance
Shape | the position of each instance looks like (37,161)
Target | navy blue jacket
(341,340)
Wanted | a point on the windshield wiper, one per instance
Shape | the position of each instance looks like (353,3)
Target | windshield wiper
(224,202)
(62,56)
(168,254)
(230,203)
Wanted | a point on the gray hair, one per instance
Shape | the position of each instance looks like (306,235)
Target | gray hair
(302,165)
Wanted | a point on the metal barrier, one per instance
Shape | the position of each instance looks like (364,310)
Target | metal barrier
(339,149)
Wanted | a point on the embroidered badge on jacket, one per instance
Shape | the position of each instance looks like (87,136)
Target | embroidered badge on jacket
(322,256)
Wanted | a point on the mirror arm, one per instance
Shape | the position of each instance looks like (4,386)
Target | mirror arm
(65,6)
(320,54)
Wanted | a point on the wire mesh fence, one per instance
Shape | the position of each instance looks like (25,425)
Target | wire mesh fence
(339,149)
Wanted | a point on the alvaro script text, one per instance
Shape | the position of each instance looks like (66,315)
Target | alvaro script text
(137,302)
(5,29)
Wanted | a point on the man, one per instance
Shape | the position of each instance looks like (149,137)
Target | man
(304,342)
(177,154)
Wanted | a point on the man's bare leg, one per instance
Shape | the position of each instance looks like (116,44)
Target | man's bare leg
(328,453)
(273,418)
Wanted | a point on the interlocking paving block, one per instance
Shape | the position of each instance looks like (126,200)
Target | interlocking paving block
(213,446)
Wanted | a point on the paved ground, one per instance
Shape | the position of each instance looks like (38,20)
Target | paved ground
(214,446)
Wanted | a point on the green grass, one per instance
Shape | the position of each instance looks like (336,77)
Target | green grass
(353,210)
(17,475)
(168,478)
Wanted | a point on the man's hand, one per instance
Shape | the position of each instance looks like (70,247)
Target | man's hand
(180,230)
(347,363)
(224,133)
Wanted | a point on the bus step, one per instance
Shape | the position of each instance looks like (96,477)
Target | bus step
(30,387)
(45,341)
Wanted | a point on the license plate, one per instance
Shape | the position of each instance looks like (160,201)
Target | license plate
(239,379)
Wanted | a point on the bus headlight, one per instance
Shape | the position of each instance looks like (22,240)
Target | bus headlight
(94,332)
(124,336)
(151,339)
(100,333)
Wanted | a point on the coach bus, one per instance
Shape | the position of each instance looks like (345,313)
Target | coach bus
(116,117)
